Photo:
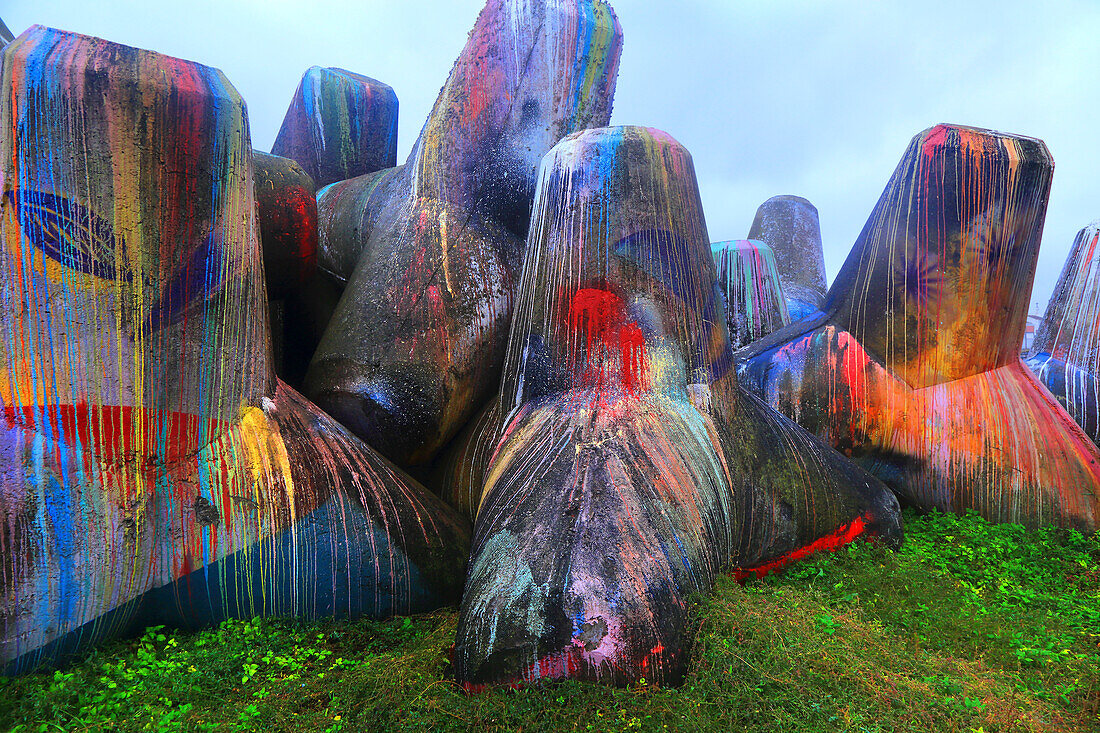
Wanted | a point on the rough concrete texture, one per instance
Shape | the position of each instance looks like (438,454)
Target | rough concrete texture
(913,366)
(458,474)
(755,305)
(630,469)
(789,225)
(153,468)
(415,344)
(1065,355)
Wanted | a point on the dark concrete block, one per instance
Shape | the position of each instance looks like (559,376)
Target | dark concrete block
(789,225)
(286,209)
(458,475)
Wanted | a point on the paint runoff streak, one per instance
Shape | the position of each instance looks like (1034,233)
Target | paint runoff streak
(754,294)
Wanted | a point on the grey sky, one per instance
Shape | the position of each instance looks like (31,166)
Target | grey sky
(816,99)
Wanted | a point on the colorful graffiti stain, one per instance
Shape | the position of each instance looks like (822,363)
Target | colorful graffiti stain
(415,344)
(339,125)
(154,470)
(1065,355)
(789,225)
(630,469)
(755,305)
(912,366)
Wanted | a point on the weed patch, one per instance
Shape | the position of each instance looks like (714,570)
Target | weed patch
(968,627)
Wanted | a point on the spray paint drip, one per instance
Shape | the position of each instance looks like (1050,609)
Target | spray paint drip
(614,356)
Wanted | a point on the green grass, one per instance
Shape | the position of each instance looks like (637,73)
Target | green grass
(969,627)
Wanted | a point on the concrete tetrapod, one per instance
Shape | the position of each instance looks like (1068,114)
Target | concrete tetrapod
(755,305)
(152,469)
(789,225)
(415,345)
(630,469)
(339,125)
(286,212)
(913,365)
(1065,355)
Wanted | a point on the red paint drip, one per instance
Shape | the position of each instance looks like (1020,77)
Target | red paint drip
(632,346)
(557,666)
(829,543)
(935,140)
(292,222)
(601,316)
(654,655)
(108,431)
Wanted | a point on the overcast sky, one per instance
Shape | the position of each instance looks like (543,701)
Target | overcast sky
(817,99)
